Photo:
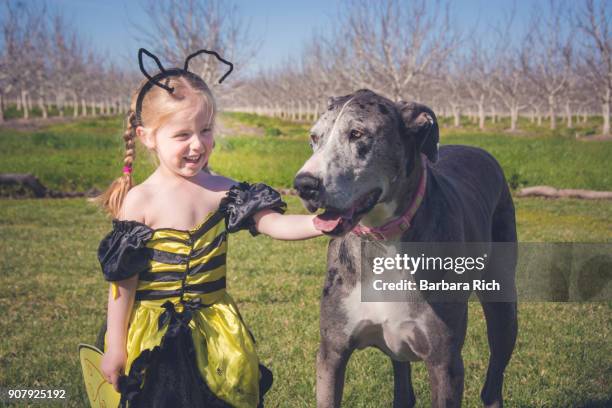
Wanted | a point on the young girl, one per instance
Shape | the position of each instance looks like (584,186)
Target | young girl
(172,328)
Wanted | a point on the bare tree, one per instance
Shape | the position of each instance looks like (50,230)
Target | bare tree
(44,61)
(181,27)
(478,78)
(546,56)
(507,78)
(594,21)
(22,32)
(394,43)
(454,90)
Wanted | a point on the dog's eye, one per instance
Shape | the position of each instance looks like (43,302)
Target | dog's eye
(355,134)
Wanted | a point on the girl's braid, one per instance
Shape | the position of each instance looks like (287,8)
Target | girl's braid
(112,199)
(128,137)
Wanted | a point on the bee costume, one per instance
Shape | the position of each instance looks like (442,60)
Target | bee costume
(187,344)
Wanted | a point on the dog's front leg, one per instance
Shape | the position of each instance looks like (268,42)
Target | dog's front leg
(403,393)
(446,380)
(331,366)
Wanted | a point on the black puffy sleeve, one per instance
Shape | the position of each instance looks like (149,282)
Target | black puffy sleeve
(244,200)
(122,253)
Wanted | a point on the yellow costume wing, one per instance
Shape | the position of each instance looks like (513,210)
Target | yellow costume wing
(101,393)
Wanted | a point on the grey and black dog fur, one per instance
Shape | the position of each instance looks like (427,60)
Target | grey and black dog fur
(365,145)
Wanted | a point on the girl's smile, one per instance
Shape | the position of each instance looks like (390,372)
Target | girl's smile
(184,143)
(193,159)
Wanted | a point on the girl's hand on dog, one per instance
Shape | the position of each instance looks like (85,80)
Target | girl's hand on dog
(289,227)
(112,365)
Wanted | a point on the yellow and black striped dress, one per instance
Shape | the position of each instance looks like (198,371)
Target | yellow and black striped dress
(183,317)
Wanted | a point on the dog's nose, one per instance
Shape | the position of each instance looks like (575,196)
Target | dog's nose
(307,186)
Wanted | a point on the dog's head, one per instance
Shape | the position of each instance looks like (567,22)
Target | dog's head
(361,146)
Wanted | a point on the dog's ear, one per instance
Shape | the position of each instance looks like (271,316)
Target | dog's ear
(335,101)
(331,101)
(421,124)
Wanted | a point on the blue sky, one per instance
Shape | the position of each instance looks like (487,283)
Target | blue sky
(282,26)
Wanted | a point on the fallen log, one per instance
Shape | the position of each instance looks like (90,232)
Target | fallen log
(31,182)
(26,180)
(551,192)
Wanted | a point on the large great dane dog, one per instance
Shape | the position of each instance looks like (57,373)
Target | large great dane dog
(369,155)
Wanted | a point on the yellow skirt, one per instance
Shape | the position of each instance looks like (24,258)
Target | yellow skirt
(224,348)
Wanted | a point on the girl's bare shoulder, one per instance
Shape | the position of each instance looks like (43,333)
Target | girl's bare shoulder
(135,203)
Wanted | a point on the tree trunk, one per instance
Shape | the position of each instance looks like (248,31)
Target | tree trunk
(83,107)
(43,107)
(59,102)
(513,118)
(1,107)
(26,180)
(24,104)
(481,116)
(539,116)
(605,110)
(568,115)
(456,115)
(75,107)
(551,192)
(553,118)
(396,94)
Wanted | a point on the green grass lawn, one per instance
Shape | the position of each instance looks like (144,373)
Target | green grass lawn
(53,296)
(89,152)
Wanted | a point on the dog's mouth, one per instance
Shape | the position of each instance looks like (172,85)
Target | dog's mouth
(337,222)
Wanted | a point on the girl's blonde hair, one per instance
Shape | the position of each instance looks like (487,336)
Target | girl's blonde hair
(158,106)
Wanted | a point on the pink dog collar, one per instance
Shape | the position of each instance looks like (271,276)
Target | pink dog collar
(127,169)
(399,225)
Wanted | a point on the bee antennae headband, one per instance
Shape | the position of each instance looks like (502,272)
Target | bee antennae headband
(165,73)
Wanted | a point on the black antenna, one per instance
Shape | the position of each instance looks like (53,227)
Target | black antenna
(161,68)
(231,66)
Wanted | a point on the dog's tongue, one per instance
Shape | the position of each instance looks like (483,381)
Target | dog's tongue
(326,222)
(329,220)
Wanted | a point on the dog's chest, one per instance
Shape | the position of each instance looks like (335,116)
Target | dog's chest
(391,326)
